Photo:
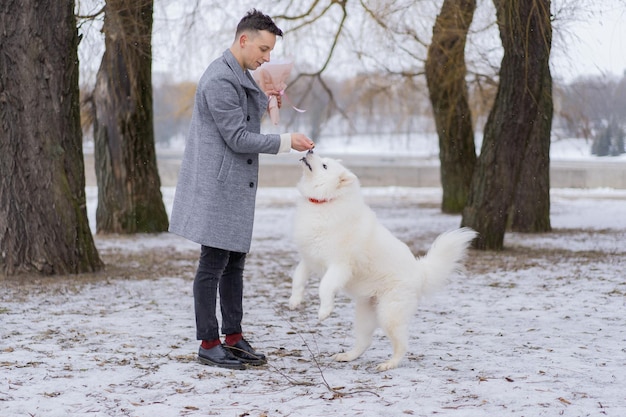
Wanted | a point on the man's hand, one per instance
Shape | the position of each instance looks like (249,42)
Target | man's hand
(300,142)
(275,93)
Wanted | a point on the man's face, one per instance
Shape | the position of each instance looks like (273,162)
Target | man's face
(257,47)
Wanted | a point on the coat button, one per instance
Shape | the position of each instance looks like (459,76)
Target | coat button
(248,118)
(249,161)
(251,185)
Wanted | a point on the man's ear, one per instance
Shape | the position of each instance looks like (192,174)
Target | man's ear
(243,39)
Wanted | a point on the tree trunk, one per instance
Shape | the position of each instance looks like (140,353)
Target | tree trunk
(531,206)
(512,136)
(129,187)
(445,73)
(43,215)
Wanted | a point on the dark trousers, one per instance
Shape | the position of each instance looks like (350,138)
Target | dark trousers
(221,270)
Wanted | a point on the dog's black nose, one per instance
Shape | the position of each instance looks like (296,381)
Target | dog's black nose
(310,151)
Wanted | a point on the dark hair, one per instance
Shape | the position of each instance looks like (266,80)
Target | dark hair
(255,20)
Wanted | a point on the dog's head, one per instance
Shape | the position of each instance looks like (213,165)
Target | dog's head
(325,179)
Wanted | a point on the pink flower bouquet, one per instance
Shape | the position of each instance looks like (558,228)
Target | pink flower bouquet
(274,76)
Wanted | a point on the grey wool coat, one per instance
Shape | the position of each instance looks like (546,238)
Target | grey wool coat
(215,196)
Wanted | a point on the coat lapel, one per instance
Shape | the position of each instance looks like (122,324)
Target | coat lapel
(247,82)
(244,77)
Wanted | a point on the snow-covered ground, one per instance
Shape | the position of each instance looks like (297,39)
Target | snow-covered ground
(535,330)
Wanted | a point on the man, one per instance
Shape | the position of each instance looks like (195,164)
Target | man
(215,197)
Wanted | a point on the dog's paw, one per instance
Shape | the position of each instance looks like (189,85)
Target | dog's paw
(344,357)
(324,312)
(385,366)
(294,302)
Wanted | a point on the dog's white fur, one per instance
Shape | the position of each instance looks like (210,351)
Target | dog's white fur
(339,238)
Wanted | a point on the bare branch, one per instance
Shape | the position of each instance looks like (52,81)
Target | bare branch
(333,46)
(302,15)
(309,21)
(93,15)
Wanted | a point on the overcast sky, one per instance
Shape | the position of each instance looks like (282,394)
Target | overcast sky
(586,41)
(596,45)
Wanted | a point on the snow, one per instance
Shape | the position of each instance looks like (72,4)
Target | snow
(537,329)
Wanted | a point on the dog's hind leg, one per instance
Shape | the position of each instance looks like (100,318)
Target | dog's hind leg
(334,279)
(394,322)
(365,323)
(298,284)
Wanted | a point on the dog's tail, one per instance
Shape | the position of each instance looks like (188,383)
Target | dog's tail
(445,257)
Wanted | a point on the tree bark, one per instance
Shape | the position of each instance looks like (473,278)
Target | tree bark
(445,74)
(515,129)
(129,187)
(531,207)
(43,215)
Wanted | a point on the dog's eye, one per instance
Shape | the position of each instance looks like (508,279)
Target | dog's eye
(324,166)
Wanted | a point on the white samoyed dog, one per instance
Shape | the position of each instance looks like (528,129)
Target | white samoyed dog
(340,239)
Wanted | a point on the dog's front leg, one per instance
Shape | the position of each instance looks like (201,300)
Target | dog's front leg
(365,323)
(335,278)
(298,283)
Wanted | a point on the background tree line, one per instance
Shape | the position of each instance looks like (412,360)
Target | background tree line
(383,104)
(594,108)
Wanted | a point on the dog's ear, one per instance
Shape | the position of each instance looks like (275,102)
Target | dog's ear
(346,178)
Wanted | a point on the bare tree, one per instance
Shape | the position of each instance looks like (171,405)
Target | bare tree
(43,217)
(517,130)
(445,73)
(129,187)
